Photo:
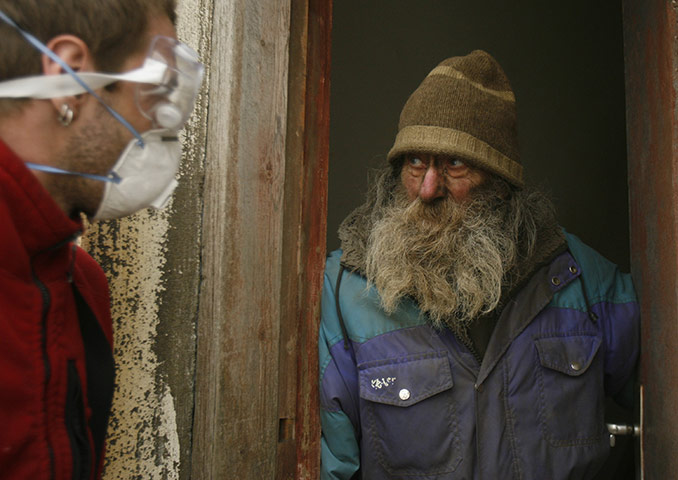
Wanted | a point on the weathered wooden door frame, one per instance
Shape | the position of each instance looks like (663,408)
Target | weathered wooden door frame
(651,66)
(305,219)
(263,252)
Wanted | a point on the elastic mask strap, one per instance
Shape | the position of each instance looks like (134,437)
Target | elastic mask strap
(112,178)
(64,85)
(40,46)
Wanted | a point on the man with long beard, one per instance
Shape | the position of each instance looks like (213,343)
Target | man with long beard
(464,334)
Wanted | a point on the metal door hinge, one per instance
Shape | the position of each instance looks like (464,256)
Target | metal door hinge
(616,430)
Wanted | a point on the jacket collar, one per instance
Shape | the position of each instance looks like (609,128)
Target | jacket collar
(38,220)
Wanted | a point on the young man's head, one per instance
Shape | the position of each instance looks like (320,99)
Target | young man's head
(83,132)
(112,30)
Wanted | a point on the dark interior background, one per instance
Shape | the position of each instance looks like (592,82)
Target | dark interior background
(565,62)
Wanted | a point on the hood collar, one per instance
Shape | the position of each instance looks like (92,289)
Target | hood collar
(37,218)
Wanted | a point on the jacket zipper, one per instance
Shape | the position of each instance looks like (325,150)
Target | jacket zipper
(468,343)
(76,425)
(46,301)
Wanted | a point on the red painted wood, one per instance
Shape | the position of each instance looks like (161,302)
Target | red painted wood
(650,41)
(305,212)
(316,155)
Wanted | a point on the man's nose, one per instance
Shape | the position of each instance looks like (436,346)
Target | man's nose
(432,186)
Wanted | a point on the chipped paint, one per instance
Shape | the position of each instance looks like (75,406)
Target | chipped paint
(142,434)
(149,433)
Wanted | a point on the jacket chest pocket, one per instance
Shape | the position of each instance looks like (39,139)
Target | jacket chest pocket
(408,418)
(571,394)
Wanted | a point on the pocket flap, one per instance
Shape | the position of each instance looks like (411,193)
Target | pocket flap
(405,381)
(570,355)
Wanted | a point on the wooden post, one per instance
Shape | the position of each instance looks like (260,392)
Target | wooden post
(307,155)
(217,299)
(651,62)
(236,407)
(263,241)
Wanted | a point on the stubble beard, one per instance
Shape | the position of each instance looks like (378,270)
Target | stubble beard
(94,148)
(450,257)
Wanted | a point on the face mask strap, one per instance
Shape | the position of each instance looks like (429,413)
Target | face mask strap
(42,48)
(112,178)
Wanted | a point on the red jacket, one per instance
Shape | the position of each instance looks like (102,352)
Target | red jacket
(56,365)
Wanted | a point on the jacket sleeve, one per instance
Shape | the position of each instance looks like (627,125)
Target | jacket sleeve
(620,322)
(613,300)
(340,452)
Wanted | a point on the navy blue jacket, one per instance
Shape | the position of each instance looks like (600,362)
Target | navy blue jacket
(405,400)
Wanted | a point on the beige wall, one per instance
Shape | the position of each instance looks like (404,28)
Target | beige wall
(201,281)
(152,262)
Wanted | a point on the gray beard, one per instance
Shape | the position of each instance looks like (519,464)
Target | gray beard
(450,257)
(457,260)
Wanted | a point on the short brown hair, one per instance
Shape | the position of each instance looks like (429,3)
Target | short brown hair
(112,30)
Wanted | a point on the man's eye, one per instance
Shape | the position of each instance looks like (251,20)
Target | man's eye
(416,162)
(455,162)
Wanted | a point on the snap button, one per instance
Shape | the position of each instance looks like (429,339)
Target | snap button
(555,281)
(576,366)
(404,394)
(573,269)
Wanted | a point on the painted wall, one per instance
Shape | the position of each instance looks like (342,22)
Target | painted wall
(152,260)
(564,60)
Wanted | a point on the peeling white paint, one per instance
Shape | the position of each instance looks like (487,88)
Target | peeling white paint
(142,435)
(168,431)
(143,439)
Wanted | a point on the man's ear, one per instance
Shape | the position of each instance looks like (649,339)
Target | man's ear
(75,53)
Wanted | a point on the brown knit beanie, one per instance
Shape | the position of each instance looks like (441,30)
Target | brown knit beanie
(464,108)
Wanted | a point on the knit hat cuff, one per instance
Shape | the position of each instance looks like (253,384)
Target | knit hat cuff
(447,141)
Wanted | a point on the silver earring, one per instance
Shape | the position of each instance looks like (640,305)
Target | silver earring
(65,115)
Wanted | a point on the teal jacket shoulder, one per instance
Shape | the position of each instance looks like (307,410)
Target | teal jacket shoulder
(602,279)
(359,306)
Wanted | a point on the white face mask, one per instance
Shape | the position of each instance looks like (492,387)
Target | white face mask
(143,176)
(168,83)
(146,176)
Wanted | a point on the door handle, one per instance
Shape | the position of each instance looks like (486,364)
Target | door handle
(622,429)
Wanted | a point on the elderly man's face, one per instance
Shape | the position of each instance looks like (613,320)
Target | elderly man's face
(432,177)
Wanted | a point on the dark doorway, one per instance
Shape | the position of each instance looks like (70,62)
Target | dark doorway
(566,65)
(565,62)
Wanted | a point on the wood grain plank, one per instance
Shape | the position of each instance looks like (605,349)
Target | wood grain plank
(235,430)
